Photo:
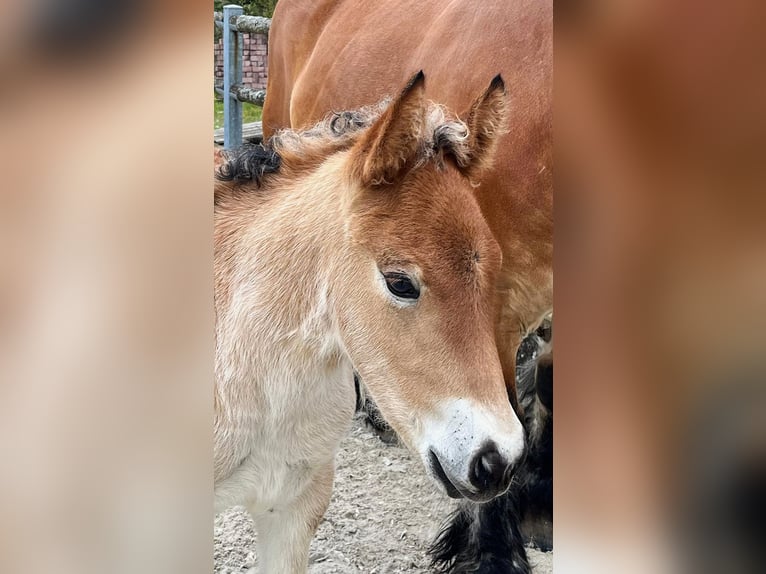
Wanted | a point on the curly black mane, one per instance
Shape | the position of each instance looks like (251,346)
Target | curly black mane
(250,163)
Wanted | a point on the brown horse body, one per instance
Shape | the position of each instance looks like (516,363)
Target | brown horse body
(341,54)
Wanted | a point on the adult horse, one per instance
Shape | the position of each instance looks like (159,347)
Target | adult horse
(329,55)
(357,244)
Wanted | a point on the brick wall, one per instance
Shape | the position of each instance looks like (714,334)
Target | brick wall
(254,60)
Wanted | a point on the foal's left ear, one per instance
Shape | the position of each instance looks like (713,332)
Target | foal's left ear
(392,142)
(487,120)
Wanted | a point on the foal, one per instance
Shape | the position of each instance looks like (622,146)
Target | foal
(357,244)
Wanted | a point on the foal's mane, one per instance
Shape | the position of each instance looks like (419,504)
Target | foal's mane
(290,152)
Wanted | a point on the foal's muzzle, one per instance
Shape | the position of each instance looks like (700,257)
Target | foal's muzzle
(490,475)
(472,450)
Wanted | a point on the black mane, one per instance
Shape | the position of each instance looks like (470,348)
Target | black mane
(250,163)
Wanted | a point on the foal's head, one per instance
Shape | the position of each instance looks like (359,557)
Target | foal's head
(415,305)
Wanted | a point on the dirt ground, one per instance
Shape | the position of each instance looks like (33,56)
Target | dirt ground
(383,515)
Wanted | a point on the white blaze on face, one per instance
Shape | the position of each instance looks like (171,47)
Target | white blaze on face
(460,429)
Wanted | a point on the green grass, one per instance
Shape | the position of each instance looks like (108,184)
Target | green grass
(250,113)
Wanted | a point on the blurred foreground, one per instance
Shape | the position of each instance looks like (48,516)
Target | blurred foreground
(660,449)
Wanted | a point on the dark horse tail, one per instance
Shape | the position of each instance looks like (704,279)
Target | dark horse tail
(482,538)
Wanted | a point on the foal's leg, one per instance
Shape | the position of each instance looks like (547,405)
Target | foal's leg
(285,533)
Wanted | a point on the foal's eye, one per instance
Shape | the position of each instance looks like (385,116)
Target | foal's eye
(401,286)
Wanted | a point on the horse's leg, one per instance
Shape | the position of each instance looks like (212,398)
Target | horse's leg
(285,532)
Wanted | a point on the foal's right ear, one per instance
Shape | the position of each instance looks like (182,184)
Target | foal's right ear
(392,142)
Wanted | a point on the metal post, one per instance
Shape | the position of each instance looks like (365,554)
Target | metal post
(232,75)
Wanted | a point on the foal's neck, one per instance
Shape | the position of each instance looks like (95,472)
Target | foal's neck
(296,244)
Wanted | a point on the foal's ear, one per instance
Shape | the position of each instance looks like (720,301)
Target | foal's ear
(392,141)
(487,120)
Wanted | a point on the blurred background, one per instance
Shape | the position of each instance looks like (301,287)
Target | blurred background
(661,286)
(106,347)
(106,342)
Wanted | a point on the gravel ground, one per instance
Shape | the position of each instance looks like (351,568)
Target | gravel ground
(383,515)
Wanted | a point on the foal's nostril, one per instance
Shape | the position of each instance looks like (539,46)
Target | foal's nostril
(490,471)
